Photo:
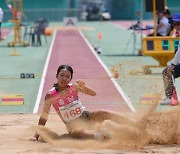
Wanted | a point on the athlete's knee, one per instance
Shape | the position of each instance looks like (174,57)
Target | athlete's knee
(77,133)
(100,115)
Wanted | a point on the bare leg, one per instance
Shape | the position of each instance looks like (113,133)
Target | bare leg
(82,133)
(101,115)
(88,134)
(130,135)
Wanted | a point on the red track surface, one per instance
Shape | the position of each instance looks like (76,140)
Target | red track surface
(5,32)
(70,48)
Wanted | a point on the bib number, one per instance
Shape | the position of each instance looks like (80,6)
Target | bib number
(71,111)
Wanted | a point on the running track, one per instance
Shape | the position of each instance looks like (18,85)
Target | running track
(70,47)
(5,32)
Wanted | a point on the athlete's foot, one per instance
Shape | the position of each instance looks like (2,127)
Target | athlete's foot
(102,134)
(106,134)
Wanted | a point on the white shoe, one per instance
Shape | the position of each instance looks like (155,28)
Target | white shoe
(164,98)
(102,134)
(106,134)
(165,101)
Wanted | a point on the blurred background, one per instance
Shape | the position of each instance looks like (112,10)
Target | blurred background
(86,10)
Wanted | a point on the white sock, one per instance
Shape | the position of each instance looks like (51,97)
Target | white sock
(97,135)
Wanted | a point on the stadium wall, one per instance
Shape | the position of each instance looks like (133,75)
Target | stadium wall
(55,10)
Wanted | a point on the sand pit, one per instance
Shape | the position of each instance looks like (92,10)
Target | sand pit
(162,135)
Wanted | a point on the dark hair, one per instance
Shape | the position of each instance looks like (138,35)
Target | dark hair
(67,67)
(167,12)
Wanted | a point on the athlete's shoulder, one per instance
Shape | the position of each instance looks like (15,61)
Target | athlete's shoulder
(73,88)
(70,86)
(53,91)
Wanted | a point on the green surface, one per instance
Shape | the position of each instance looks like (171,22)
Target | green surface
(7,24)
(30,60)
(117,48)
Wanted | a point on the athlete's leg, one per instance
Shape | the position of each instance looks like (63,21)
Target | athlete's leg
(168,83)
(129,134)
(89,134)
(82,133)
(101,115)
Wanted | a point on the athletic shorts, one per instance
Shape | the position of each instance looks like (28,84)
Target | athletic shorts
(72,124)
(85,115)
(176,72)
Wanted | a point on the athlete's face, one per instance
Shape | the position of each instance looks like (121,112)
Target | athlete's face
(64,77)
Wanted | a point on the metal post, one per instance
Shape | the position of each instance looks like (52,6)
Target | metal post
(141,19)
(155,19)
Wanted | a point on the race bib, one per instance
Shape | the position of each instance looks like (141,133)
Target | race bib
(71,111)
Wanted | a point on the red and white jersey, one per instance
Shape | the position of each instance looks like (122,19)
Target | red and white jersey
(69,106)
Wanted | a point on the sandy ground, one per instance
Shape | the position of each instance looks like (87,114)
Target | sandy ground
(16,131)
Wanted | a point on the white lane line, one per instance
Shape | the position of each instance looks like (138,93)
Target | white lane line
(9,34)
(125,97)
(44,75)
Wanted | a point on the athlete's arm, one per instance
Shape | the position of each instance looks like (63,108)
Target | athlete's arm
(44,116)
(80,86)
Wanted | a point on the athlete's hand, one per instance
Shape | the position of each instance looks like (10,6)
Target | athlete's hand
(81,87)
(81,83)
(33,139)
